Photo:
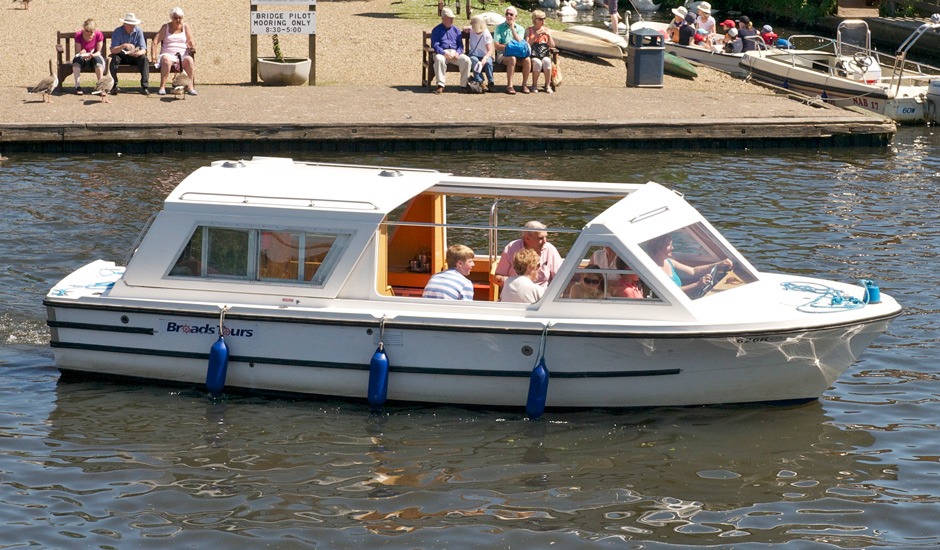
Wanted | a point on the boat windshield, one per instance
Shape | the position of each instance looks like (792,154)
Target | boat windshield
(697,261)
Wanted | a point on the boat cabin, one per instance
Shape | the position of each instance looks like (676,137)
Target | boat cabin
(276,231)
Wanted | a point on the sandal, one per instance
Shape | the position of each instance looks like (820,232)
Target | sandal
(535,89)
(511,91)
(549,90)
(525,90)
(78,91)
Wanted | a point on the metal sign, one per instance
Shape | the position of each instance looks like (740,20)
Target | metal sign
(283,22)
(283,2)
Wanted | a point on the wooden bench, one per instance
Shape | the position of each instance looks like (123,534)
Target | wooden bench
(66,45)
(427,59)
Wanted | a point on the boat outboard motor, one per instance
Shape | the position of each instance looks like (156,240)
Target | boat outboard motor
(933,102)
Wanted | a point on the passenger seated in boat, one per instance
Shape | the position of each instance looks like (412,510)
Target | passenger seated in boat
(522,288)
(535,238)
(660,250)
(628,284)
(590,287)
(746,30)
(672,31)
(452,283)
(768,35)
(733,42)
(705,19)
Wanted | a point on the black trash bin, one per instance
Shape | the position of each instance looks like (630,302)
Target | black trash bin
(645,56)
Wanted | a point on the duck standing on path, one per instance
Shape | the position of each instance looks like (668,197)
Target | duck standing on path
(181,82)
(46,85)
(104,85)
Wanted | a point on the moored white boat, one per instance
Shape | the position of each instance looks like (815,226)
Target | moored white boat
(308,268)
(848,72)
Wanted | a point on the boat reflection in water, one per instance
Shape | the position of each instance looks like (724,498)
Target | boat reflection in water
(303,278)
(332,471)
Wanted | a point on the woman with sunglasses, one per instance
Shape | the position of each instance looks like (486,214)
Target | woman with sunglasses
(540,41)
(172,39)
(590,287)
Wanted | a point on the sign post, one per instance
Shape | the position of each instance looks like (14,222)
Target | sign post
(285,22)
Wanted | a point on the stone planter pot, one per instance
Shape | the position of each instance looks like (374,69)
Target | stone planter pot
(292,72)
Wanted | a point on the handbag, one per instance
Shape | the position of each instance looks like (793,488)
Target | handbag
(556,76)
(540,50)
(474,87)
(517,48)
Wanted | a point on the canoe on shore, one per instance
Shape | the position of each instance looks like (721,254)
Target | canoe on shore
(586,45)
(599,34)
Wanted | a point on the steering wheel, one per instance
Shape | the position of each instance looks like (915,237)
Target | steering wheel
(861,61)
(715,278)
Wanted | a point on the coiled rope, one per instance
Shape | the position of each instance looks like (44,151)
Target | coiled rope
(828,300)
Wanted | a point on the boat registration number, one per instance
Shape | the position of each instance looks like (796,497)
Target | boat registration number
(865,102)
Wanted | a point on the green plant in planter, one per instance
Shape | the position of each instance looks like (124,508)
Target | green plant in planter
(278,55)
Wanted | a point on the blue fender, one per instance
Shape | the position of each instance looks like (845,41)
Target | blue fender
(538,391)
(218,367)
(378,377)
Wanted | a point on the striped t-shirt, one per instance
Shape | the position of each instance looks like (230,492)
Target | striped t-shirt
(449,285)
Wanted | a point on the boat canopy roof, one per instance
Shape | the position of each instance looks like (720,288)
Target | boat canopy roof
(288,184)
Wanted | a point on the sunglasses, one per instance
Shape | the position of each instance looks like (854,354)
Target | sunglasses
(592,281)
(540,19)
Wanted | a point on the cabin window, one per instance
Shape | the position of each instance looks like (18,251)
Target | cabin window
(688,254)
(603,275)
(259,254)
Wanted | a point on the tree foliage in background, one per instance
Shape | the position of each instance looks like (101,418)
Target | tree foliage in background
(805,12)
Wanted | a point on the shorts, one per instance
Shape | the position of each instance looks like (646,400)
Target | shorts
(611,6)
(88,63)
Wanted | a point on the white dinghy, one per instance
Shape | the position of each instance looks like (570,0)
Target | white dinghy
(288,276)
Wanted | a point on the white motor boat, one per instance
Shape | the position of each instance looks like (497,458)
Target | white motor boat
(286,276)
(848,72)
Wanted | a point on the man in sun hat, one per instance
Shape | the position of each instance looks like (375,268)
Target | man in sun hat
(447,42)
(128,47)
(705,19)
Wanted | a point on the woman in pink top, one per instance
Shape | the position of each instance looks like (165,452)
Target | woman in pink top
(88,43)
(172,39)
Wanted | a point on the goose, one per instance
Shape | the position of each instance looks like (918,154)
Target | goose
(46,85)
(104,85)
(567,10)
(181,82)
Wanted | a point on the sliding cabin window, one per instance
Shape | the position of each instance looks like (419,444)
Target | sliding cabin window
(603,275)
(260,255)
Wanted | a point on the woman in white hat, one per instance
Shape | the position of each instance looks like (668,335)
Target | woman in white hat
(705,19)
(174,41)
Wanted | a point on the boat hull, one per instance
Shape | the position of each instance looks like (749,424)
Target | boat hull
(907,106)
(329,355)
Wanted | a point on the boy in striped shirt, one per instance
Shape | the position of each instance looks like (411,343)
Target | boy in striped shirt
(453,284)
